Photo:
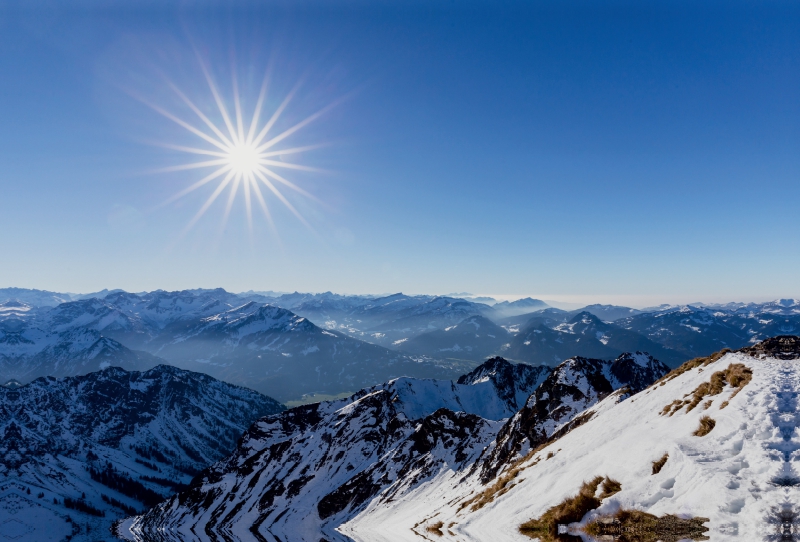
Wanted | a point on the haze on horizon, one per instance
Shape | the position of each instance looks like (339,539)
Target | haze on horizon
(620,153)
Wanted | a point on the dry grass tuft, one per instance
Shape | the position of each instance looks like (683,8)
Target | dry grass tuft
(706,425)
(436,528)
(571,509)
(500,487)
(689,365)
(736,375)
(610,487)
(739,375)
(658,465)
(723,405)
(634,525)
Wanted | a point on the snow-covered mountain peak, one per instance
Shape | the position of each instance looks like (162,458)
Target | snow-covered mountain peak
(641,359)
(714,439)
(34,298)
(512,382)
(252,318)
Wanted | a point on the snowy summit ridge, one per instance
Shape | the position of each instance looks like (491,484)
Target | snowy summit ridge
(341,458)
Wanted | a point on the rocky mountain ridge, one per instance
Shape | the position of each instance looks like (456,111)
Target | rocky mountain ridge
(338,457)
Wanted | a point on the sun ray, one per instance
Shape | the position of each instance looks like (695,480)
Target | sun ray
(293,150)
(237,107)
(287,183)
(265,209)
(191,150)
(273,119)
(248,210)
(257,111)
(193,165)
(299,125)
(208,203)
(281,197)
(203,117)
(231,196)
(222,109)
(182,123)
(262,203)
(196,185)
(287,165)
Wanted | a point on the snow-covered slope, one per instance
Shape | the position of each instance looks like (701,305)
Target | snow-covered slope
(741,475)
(436,313)
(783,307)
(609,313)
(299,475)
(133,437)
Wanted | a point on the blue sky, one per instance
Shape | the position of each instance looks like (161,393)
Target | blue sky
(627,152)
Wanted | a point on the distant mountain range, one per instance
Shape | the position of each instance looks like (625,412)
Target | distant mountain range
(264,347)
(80,452)
(294,345)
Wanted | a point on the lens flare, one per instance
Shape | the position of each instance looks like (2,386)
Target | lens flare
(241,154)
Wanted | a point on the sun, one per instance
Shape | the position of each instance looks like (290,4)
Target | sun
(244,159)
(243,154)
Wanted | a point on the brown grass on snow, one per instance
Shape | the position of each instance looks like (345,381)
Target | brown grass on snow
(737,375)
(706,425)
(659,464)
(689,365)
(571,509)
(610,487)
(436,528)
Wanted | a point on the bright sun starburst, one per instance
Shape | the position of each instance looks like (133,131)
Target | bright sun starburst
(243,154)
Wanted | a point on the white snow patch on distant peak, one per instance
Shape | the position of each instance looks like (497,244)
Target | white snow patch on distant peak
(642,360)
